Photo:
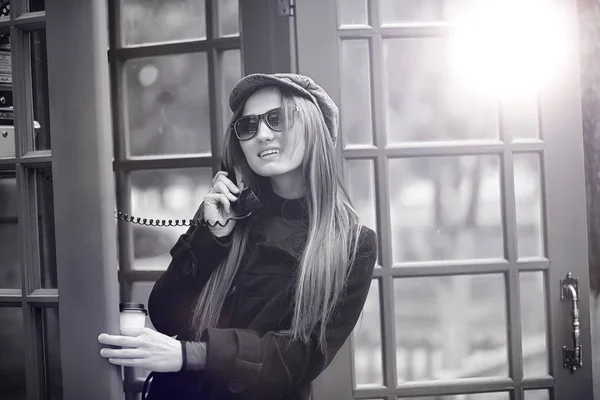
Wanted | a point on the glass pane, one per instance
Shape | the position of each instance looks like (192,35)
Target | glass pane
(164,194)
(537,395)
(446,208)
(356,93)
(231,63)
(361,187)
(229,24)
(45,208)
(528,194)
(367,353)
(451,327)
(140,291)
(10,262)
(12,348)
(475,396)
(533,324)
(37,5)
(39,81)
(352,12)
(520,119)
(7,133)
(395,11)
(168,105)
(426,100)
(52,353)
(5,60)
(158,21)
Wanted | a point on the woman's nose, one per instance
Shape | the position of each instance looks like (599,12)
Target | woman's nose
(264,132)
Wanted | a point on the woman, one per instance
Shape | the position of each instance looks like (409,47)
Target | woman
(261,304)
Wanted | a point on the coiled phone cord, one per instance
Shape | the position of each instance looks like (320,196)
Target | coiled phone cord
(177,222)
(159,222)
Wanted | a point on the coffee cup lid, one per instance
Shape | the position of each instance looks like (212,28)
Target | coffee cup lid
(132,307)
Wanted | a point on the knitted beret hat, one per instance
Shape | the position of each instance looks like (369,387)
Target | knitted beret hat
(299,84)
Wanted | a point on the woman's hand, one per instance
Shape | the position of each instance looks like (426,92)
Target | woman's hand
(143,348)
(217,203)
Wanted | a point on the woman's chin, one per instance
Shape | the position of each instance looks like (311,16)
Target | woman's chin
(268,172)
(271,170)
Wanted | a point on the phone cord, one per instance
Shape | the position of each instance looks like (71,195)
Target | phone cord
(177,222)
(158,222)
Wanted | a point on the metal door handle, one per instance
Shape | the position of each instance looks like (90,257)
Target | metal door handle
(570,288)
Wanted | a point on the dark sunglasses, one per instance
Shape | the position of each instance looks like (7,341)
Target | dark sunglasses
(246,127)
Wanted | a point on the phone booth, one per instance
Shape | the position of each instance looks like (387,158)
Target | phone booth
(119,107)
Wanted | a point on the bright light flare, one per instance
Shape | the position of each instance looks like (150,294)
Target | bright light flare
(509,47)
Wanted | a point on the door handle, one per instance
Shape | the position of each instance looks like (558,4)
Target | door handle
(570,288)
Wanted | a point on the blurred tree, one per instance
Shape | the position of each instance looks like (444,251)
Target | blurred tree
(147,21)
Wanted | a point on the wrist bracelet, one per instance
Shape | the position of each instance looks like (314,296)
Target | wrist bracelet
(183,355)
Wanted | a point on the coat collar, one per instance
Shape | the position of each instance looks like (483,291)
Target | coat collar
(289,209)
(274,232)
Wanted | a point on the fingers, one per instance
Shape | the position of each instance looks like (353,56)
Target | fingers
(224,191)
(118,340)
(127,362)
(219,198)
(218,174)
(221,177)
(122,353)
(221,187)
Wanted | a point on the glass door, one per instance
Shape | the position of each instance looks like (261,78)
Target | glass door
(462,147)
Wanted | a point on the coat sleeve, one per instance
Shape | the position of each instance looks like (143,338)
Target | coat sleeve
(195,255)
(271,365)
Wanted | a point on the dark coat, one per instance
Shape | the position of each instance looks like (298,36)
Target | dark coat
(246,357)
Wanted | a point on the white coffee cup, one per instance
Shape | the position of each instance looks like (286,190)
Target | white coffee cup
(132,315)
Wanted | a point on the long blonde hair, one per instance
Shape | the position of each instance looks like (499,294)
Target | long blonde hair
(328,254)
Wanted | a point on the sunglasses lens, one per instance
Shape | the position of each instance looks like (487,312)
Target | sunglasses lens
(274,119)
(246,127)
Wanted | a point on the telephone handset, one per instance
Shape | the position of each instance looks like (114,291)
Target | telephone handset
(244,207)
(247,202)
